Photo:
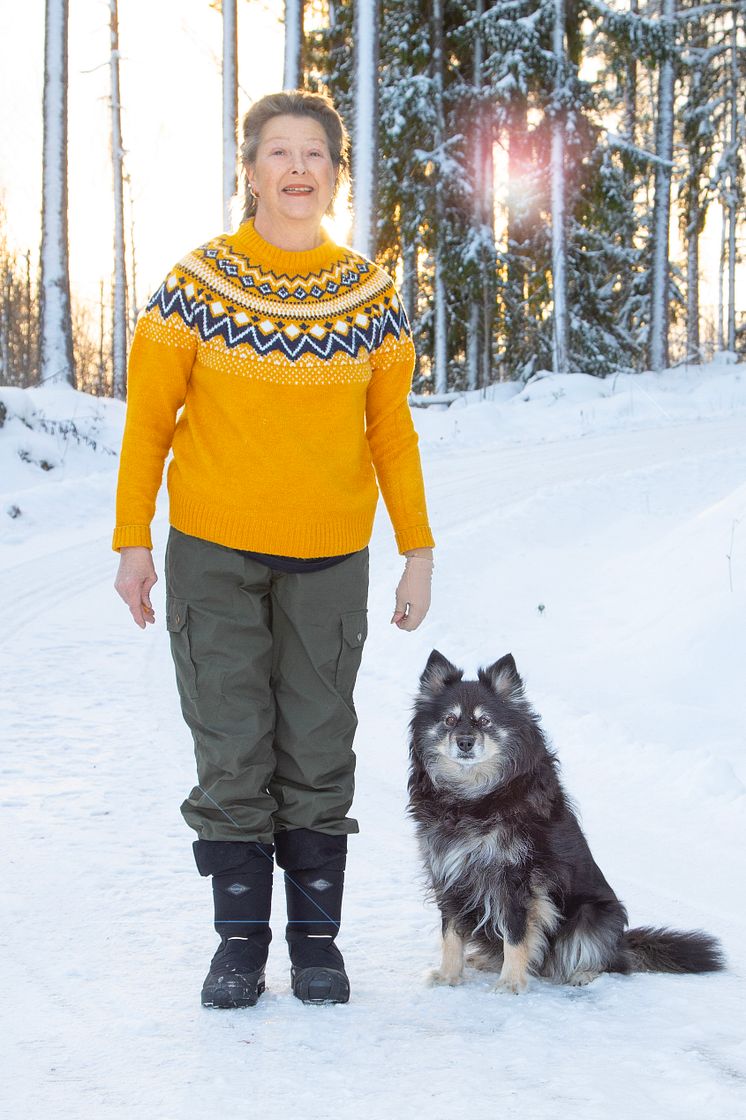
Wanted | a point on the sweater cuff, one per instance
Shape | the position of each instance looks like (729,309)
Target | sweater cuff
(131,536)
(417,537)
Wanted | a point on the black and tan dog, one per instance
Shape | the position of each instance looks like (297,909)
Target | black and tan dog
(507,861)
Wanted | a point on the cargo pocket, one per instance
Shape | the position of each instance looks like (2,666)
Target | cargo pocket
(177,619)
(354,633)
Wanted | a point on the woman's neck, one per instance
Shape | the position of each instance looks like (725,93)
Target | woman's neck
(294,237)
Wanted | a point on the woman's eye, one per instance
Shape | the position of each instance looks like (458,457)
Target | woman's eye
(450,721)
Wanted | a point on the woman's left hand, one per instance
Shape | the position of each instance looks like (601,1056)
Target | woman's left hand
(413,592)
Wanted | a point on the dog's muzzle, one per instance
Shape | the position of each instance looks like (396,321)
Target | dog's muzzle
(466,748)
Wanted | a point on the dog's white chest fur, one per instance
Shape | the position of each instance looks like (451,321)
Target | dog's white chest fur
(471,863)
(452,859)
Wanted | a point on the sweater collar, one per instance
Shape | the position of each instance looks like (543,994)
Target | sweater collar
(282,261)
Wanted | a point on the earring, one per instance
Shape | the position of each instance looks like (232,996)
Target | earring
(252,192)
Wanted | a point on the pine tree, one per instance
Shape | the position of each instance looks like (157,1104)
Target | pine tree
(406,125)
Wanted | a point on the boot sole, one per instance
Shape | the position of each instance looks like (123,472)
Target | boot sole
(233,990)
(320,985)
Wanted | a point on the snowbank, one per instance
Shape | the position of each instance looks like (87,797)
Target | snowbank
(551,407)
(58,453)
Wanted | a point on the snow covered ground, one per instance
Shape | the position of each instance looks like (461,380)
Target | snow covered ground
(619,507)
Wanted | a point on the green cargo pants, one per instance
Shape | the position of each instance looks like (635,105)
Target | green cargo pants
(266,663)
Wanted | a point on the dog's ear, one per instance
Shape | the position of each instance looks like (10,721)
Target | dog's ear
(438,673)
(503,678)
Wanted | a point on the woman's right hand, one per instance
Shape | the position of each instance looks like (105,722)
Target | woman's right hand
(135,577)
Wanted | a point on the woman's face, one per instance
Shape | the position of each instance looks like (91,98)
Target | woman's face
(293,175)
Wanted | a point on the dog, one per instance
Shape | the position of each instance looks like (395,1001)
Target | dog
(506,859)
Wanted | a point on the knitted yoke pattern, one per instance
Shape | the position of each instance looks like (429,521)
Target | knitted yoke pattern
(291,371)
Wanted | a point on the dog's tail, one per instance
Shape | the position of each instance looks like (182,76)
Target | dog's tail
(647,949)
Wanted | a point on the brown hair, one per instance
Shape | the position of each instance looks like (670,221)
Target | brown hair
(297,103)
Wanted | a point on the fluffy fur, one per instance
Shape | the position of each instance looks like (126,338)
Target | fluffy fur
(506,859)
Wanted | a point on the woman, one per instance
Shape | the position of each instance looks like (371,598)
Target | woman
(292,357)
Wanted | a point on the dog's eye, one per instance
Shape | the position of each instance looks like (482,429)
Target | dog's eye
(483,721)
(450,721)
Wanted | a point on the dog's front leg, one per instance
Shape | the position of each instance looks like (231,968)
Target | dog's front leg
(451,969)
(525,938)
(514,975)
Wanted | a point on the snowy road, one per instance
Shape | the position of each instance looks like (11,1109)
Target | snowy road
(634,544)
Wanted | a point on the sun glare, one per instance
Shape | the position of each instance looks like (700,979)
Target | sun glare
(339,224)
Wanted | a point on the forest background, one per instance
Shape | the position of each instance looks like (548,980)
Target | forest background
(554,184)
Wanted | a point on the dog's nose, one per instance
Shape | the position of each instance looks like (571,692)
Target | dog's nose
(465,742)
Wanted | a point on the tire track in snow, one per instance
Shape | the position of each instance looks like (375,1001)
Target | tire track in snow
(29,593)
(470,495)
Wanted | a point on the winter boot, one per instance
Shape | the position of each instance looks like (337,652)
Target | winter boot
(314,880)
(242,892)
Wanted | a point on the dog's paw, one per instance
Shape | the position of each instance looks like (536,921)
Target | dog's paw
(580,979)
(511,985)
(437,977)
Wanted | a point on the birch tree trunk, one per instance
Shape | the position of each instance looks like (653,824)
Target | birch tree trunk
(440,341)
(733,185)
(559,248)
(699,41)
(365,148)
(659,315)
(133,306)
(630,89)
(519,164)
(292,77)
(101,338)
(119,303)
(409,292)
(472,342)
(230,107)
(481,305)
(721,276)
(488,258)
(30,333)
(56,351)
(693,352)
(6,371)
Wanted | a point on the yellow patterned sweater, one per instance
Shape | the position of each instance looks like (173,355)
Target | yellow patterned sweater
(293,370)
